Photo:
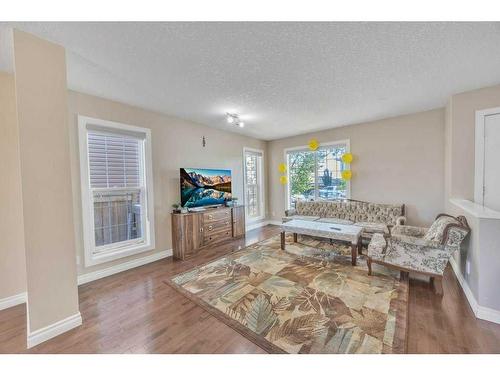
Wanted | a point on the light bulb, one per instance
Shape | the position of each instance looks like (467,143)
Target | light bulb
(230,119)
(241,124)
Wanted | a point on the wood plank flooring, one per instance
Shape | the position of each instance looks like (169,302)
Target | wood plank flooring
(135,312)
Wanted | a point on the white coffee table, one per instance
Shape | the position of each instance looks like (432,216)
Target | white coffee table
(342,232)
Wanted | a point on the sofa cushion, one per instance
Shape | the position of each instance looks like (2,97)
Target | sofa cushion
(436,231)
(369,227)
(299,217)
(335,220)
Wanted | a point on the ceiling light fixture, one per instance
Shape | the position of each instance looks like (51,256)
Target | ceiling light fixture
(233,118)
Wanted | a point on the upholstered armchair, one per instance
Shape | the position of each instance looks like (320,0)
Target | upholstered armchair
(422,250)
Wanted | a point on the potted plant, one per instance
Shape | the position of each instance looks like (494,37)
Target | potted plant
(177,208)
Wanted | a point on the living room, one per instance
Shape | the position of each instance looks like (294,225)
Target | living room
(174,187)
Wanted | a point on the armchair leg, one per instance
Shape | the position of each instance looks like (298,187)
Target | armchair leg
(369,264)
(437,283)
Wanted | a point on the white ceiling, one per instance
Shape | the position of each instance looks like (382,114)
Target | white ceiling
(282,78)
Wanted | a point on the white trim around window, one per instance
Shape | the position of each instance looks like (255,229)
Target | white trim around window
(96,254)
(260,183)
(345,142)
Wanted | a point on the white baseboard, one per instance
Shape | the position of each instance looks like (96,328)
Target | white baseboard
(53,330)
(91,276)
(480,312)
(17,299)
(263,223)
(275,222)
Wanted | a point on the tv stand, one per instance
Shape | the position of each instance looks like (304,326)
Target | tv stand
(196,230)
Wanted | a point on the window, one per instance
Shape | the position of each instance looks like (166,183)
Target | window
(254,195)
(316,175)
(117,194)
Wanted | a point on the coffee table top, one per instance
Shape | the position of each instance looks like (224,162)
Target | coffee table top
(326,230)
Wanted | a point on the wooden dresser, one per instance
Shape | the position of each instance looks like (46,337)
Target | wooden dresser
(193,231)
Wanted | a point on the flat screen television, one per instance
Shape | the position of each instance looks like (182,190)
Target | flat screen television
(205,187)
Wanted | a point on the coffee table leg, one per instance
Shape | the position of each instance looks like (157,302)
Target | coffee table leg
(354,253)
(282,240)
(295,237)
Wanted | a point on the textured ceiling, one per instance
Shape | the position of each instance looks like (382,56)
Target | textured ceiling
(283,78)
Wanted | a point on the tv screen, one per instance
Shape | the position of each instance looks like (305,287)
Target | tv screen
(205,187)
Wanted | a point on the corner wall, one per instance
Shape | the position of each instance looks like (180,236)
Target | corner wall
(397,160)
(481,251)
(176,143)
(12,257)
(41,94)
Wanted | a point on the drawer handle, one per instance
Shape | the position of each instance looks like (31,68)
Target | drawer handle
(227,222)
(210,217)
(210,227)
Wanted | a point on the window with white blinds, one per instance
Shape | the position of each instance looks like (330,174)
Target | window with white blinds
(114,160)
(116,189)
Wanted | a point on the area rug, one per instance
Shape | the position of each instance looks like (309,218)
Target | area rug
(307,299)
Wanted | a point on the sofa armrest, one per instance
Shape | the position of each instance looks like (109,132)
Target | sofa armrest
(408,230)
(401,220)
(291,212)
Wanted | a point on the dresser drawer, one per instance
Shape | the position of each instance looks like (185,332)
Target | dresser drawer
(215,236)
(216,226)
(216,215)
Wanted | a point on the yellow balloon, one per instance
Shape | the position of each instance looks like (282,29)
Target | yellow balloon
(346,175)
(313,144)
(347,158)
(282,167)
(283,180)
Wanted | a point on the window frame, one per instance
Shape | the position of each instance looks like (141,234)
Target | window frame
(261,182)
(345,142)
(123,248)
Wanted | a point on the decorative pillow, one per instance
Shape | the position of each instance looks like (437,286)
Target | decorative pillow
(436,231)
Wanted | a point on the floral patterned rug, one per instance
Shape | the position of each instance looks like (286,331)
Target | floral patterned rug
(307,299)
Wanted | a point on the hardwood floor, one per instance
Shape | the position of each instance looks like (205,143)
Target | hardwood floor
(136,312)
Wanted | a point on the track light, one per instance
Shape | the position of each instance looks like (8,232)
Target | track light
(233,118)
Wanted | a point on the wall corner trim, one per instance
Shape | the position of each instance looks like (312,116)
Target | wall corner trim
(54,329)
(481,312)
(14,300)
(99,274)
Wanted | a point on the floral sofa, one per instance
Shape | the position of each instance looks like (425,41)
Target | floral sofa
(372,217)
(422,250)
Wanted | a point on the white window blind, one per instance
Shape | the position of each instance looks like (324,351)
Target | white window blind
(114,160)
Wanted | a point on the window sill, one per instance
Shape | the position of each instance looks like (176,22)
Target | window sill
(92,260)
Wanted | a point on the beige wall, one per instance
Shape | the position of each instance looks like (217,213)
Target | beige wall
(12,262)
(41,93)
(176,144)
(481,249)
(397,160)
(461,127)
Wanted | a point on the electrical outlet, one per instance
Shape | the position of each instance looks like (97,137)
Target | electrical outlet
(467,267)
